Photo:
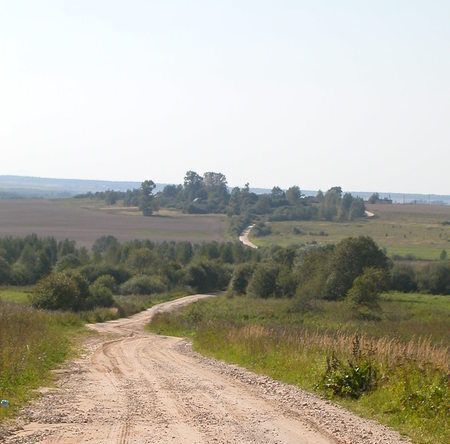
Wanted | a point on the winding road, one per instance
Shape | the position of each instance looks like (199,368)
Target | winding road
(131,386)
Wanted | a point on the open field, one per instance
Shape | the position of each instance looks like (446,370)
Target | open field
(401,229)
(407,349)
(19,295)
(72,219)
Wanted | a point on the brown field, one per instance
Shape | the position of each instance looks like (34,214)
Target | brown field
(76,220)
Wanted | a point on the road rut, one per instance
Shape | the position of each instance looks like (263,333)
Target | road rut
(131,386)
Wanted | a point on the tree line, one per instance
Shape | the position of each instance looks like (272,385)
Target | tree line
(210,194)
(68,277)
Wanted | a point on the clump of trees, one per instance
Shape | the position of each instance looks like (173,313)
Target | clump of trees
(376,199)
(209,193)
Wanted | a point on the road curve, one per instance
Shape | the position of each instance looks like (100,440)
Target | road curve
(131,386)
(244,237)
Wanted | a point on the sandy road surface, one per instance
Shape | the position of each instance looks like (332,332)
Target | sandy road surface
(135,387)
(244,237)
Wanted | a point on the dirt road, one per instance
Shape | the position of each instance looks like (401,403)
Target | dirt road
(134,387)
(244,237)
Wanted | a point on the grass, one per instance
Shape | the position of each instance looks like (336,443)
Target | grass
(401,229)
(19,295)
(33,342)
(268,337)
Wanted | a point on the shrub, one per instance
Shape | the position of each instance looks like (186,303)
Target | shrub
(434,279)
(367,287)
(99,296)
(143,284)
(58,291)
(242,274)
(207,276)
(68,261)
(352,378)
(106,280)
(263,283)
(403,278)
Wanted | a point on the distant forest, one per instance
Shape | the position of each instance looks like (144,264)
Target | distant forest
(210,194)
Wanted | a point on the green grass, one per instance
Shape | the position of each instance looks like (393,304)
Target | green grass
(266,336)
(19,295)
(401,229)
(32,342)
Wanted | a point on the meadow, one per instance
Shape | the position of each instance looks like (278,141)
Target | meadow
(406,350)
(403,230)
(85,222)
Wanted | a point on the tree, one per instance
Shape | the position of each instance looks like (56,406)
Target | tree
(146,204)
(241,277)
(293,195)
(443,255)
(350,257)
(263,283)
(367,287)
(357,209)
(5,272)
(374,198)
(193,186)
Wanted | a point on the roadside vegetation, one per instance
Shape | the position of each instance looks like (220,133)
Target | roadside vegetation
(393,369)
(323,317)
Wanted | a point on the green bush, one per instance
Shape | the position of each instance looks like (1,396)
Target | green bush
(367,287)
(58,291)
(263,283)
(143,284)
(99,296)
(242,274)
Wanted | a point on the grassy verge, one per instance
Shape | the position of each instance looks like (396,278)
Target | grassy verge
(411,392)
(32,342)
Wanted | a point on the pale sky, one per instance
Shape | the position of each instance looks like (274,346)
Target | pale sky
(315,93)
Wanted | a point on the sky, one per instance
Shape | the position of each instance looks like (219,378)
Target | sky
(312,93)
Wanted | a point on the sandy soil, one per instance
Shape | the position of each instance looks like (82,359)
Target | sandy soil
(244,237)
(134,387)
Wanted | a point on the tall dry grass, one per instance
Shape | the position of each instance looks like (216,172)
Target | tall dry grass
(389,351)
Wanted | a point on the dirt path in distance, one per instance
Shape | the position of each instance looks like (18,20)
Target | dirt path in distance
(244,237)
(131,386)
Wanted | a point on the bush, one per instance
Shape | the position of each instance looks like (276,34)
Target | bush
(68,261)
(434,279)
(58,291)
(403,278)
(107,281)
(367,287)
(242,274)
(207,276)
(143,284)
(263,283)
(99,296)
(352,378)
